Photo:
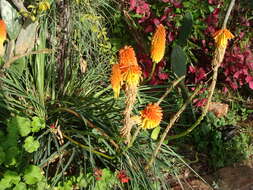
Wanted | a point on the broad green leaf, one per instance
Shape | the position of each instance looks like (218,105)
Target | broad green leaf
(20,186)
(9,178)
(31,145)
(11,156)
(186,29)
(22,124)
(10,17)
(178,60)
(155,133)
(32,174)
(37,124)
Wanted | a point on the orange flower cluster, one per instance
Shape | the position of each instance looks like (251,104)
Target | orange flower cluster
(127,70)
(222,36)
(151,116)
(158,44)
(3,35)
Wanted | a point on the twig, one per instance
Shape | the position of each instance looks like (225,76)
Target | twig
(15,58)
(171,123)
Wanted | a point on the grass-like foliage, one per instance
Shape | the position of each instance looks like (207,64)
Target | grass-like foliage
(62,126)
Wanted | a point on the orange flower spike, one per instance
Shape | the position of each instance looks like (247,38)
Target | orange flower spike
(3,35)
(151,116)
(116,79)
(222,36)
(131,74)
(127,56)
(158,44)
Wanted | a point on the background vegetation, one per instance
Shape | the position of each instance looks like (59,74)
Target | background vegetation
(59,121)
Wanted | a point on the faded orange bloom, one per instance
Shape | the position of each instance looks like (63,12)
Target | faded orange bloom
(3,35)
(127,56)
(116,79)
(151,116)
(222,36)
(158,44)
(127,71)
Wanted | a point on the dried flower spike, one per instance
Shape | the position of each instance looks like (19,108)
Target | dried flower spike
(158,44)
(222,36)
(151,116)
(3,35)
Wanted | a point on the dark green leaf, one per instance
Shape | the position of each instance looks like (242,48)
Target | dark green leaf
(186,29)
(178,60)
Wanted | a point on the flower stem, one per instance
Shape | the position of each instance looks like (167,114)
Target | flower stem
(152,72)
(171,123)
(174,83)
(231,5)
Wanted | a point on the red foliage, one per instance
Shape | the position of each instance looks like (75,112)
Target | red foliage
(238,67)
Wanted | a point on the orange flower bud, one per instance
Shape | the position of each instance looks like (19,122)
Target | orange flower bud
(158,44)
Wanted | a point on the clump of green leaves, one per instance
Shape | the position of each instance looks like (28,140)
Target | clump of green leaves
(31,175)
(221,139)
(17,173)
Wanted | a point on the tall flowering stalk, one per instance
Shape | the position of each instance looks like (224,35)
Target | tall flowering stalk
(157,46)
(126,72)
(221,38)
(3,35)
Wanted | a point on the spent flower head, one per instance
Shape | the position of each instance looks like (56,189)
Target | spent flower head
(221,37)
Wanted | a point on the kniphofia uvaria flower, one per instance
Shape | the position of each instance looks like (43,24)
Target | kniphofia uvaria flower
(158,44)
(151,116)
(127,71)
(3,35)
